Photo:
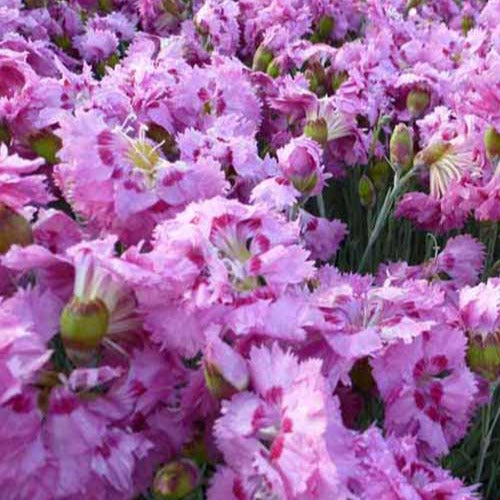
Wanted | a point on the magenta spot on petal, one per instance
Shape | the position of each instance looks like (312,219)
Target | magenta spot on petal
(287,425)
(277,448)
(11,81)
(436,392)
(419,400)
(432,413)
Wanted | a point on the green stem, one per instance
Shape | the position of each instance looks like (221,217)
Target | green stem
(321,205)
(486,438)
(391,197)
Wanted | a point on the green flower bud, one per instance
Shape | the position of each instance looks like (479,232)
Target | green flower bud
(317,130)
(262,59)
(14,229)
(379,173)
(83,325)
(176,480)
(467,24)
(273,69)
(484,357)
(401,147)
(338,79)
(492,143)
(46,145)
(325,27)
(417,101)
(366,191)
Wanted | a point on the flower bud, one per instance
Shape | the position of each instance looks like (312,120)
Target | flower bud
(83,325)
(366,191)
(300,161)
(492,143)
(379,173)
(14,229)
(317,130)
(337,79)
(324,29)
(401,147)
(46,145)
(467,24)
(484,356)
(176,480)
(273,69)
(262,58)
(417,102)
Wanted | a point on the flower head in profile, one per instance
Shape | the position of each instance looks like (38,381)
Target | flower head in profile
(445,163)
(101,307)
(480,314)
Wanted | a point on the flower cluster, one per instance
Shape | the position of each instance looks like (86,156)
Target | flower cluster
(174,315)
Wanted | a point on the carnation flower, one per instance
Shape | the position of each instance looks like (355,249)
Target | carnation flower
(272,441)
(427,389)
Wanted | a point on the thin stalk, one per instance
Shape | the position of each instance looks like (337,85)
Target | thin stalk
(391,197)
(486,437)
(321,205)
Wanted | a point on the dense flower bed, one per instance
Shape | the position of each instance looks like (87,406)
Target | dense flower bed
(248,248)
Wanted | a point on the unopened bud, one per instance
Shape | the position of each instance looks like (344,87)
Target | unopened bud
(176,480)
(484,356)
(492,143)
(317,130)
(14,229)
(338,79)
(262,59)
(324,29)
(401,147)
(315,73)
(379,173)
(366,191)
(417,101)
(46,145)
(83,325)
(467,24)
(273,69)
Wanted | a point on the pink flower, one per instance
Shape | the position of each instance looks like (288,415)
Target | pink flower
(219,22)
(391,469)
(462,259)
(273,437)
(321,236)
(96,44)
(18,185)
(427,389)
(480,308)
